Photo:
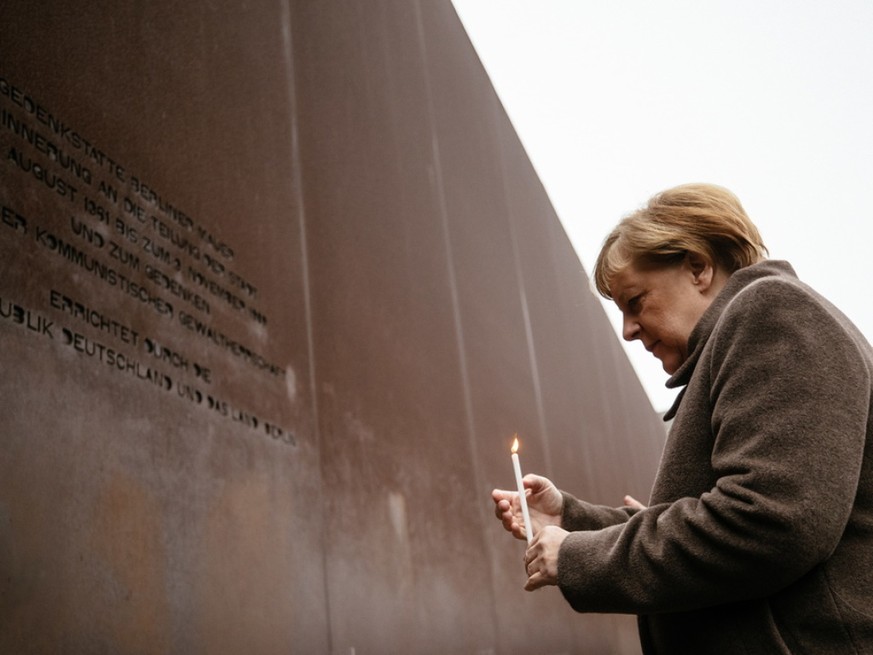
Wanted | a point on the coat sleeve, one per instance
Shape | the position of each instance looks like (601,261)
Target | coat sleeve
(789,394)
(580,515)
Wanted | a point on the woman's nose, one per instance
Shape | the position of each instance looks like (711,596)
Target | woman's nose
(630,329)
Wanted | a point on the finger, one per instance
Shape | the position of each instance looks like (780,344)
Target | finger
(501,494)
(508,517)
(506,520)
(534,582)
(533,482)
(506,509)
(530,560)
(536,483)
(502,500)
(530,553)
(512,525)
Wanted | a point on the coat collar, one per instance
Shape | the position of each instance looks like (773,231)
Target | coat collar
(701,332)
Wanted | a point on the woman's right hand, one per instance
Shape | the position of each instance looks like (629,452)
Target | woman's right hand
(544,503)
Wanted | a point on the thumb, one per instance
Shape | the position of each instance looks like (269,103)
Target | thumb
(535,482)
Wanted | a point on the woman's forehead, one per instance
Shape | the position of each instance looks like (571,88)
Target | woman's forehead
(637,276)
(624,282)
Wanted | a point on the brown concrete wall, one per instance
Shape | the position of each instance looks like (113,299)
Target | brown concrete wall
(277,285)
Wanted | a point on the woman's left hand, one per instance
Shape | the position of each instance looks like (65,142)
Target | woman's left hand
(541,558)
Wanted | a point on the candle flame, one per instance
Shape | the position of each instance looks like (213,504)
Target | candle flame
(515,444)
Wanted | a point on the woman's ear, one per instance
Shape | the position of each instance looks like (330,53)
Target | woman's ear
(701,270)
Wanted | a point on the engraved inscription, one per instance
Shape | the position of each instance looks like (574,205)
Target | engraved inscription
(101,224)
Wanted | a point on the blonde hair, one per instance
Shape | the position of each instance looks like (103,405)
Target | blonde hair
(703,219)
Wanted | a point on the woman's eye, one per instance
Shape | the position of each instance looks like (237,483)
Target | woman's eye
(634,303)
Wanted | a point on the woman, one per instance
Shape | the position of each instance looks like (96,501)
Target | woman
(758,537)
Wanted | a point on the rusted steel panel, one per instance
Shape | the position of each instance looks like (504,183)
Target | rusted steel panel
(158,478)
(277,285)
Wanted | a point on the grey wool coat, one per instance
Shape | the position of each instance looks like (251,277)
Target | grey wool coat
(759,534)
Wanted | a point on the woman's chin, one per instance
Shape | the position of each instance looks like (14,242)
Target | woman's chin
(669,365)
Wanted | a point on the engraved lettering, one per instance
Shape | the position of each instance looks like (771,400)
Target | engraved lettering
(116,360)
(203,373)
(109,191)
(47,147)
(64,132)
(234,347)
(96,210)
(215,289)
(126,231)
(13,219)
(92,317)
(178,290)
(124,256)
(91,236)
(157,251)
(26,318)
(119,220)
(189,393)
(52,181)
(246,287)
(154,199)
(278,433)
(219,406)
(181,241)
(166,355)
(257,316)
(134,210)
(219,246)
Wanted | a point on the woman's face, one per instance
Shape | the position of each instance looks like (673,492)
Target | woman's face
(661,305)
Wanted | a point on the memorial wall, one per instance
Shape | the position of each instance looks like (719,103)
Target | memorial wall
(278,284)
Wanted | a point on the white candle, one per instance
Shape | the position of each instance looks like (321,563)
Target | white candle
(528,528)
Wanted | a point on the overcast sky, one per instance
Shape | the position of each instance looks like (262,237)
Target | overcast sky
(615,101)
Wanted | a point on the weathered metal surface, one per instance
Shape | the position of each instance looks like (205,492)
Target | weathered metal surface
(277,285)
